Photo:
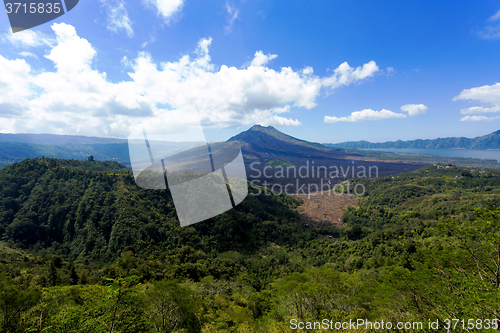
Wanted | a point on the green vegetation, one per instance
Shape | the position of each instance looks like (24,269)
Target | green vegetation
(88,251)
(278,162)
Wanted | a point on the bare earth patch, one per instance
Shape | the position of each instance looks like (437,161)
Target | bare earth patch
(321,210)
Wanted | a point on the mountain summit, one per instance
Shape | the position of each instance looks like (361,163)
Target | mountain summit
(269,138)
(260,144)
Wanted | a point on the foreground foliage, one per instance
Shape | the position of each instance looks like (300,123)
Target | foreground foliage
(88,251)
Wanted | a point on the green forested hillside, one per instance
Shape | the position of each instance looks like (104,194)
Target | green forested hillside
(88,251)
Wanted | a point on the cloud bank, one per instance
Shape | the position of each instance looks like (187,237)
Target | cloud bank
(488,95)
(365,115)
(78,98)
(371,115)
(479,119)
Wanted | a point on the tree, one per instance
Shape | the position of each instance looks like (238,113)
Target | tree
(73,276)
(172,307)
(14,301)
(125,312)
(458,278)
(53,276)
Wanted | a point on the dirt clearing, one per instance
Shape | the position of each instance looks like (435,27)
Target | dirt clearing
(321,210)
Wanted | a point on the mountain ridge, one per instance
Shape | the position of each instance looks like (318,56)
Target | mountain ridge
(56,139)
(488,141)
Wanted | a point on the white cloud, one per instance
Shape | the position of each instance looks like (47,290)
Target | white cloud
(365,115)
(479,118)
(484,94)
(118,18)
(284,109)
(260,59)
(492,31)
(489,95)
(151,40)
(280,121)
(480,109)
(28,54)
(166,8)
(77,98)
(414,109)
(28,38)
(345,75)
(72,53)
(15,81)
(390,71)
(495,17)
(233,15)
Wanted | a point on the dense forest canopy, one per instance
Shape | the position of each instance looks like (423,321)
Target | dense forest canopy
(84,249)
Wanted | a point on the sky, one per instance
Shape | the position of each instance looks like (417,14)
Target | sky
(323,71)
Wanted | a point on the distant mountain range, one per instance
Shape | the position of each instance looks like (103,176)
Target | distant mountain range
(490,141)
(17,147)
(54,139)
(258,143)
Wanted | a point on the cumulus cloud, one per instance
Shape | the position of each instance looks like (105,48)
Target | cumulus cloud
(118,18)
(15,81)
(484,94)
(489,95)
(166,8)
(77,98)
(345,75)
(414,109)
(365,115)
(232,16)
(260,59)
(479,118)
(480,109)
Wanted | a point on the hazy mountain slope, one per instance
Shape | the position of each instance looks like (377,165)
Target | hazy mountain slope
(16,151)
(73,147)
(490,141)
(54,139)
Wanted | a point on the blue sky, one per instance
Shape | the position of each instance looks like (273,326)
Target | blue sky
(326,71)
